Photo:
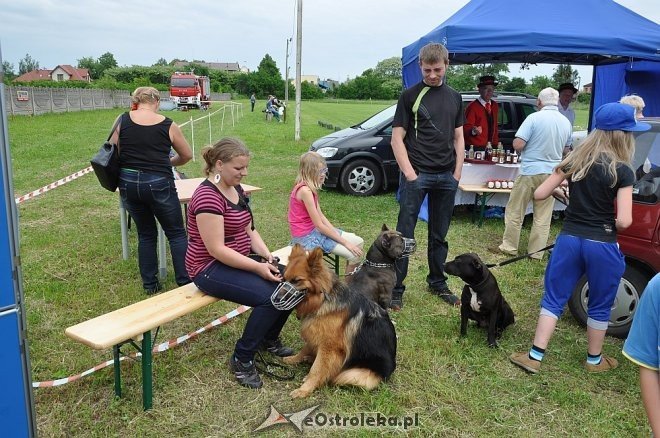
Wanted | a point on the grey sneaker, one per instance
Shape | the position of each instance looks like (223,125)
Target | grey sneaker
(246,373)
(275,347)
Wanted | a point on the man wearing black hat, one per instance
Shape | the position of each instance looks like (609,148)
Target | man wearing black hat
(566,92)
(481,116)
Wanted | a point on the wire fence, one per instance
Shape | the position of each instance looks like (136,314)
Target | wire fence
(199,129)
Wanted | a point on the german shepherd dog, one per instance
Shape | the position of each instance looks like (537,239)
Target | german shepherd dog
(376,276)
(482,300)
(349,340)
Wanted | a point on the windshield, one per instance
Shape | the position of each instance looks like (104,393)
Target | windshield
(183,82)
(647,147)
(377,119)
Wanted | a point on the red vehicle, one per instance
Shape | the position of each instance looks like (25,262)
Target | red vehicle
(190,90)
(639,243)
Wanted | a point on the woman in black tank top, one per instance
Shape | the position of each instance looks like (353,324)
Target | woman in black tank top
(146,183)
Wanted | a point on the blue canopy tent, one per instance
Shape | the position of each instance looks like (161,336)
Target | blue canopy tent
(623,46)
(585,32)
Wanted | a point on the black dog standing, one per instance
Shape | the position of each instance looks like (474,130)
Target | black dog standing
(482,300)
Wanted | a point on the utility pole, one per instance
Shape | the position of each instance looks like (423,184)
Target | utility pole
(298,66)
(286,73)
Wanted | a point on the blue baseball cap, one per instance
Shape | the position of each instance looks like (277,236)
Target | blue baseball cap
(616,116)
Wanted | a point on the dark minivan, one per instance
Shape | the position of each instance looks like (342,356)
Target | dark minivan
(360,158)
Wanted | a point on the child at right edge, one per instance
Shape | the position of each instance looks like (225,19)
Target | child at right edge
(643,348)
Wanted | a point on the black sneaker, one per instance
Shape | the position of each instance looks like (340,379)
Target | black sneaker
(396,303)
(246,373)
(446,295)
(153,290)
(275,347)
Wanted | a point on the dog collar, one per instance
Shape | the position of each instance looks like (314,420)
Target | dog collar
(477,286)
(377,265)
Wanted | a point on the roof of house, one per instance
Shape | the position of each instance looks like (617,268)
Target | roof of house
(34,75)
(75,74)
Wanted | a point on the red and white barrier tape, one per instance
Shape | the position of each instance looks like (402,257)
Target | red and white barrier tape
(51,186)
(157,349)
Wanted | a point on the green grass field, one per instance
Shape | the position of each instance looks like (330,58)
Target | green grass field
(73,270)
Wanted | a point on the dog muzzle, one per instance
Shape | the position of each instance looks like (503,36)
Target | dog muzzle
(409,246)
(286,296)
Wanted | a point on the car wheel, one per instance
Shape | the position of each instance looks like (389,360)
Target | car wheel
(361,178)
(625,304)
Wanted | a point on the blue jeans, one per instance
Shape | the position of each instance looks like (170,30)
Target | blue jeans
(148,197)
(274,112)
(441,189)
(242,287)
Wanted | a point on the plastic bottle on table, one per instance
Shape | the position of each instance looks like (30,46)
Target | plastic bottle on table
(471,152)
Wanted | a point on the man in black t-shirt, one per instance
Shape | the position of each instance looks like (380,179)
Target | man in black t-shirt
(427,141)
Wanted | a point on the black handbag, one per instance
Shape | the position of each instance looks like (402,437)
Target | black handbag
(106,162)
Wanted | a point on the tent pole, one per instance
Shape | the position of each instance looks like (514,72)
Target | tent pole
(593,94)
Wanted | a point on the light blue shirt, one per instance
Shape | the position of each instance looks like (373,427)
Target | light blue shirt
(643,343)
(545,133)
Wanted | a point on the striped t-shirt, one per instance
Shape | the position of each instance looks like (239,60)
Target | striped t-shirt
(208,199)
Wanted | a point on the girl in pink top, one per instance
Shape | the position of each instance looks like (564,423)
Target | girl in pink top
(308,225)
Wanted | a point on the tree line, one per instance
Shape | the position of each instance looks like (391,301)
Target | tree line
(382,82)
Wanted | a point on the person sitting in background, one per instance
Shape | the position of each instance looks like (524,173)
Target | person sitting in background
(636,102)
(643,349)
(481,116)
(273,107)
(146,183)
(308,225)
(222,235)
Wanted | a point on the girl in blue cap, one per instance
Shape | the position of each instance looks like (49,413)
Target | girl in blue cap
(599,173)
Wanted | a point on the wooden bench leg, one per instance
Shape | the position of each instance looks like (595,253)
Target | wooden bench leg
(332,260)
(483,198)
(117,363)
(147,382)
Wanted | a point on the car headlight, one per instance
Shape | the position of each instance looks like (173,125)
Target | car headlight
(327,152)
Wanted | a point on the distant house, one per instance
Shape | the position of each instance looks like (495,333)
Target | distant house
(230,67)
(62,72)
(312,79)
(587,88)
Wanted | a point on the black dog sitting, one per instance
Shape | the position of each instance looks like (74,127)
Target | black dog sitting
(376,276)
(482,300)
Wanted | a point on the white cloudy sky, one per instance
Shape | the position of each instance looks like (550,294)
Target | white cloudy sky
(341,38)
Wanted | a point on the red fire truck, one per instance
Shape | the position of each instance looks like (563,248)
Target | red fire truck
(189,90)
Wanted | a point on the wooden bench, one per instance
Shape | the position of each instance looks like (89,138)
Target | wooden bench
(481,196)
(134,323)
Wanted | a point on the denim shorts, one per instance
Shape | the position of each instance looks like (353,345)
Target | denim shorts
(316,239)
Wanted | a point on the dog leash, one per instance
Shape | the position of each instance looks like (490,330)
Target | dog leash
(269,368)
(515,259)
